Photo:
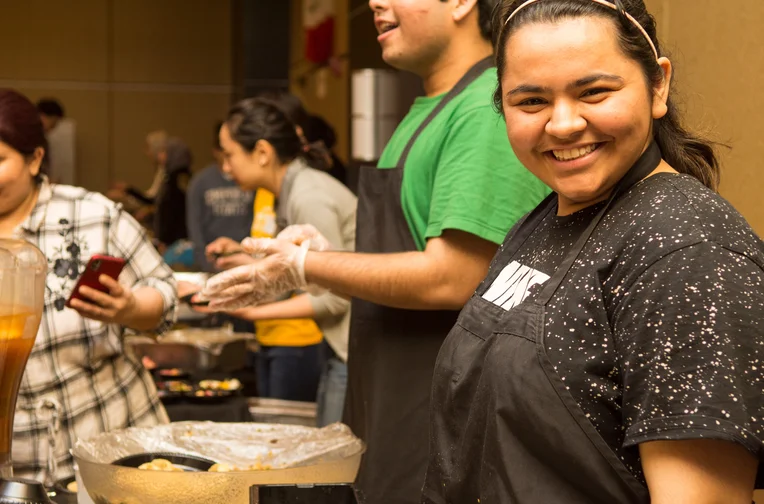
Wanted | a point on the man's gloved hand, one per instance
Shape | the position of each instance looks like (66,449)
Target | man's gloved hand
(281,271)
(300,233)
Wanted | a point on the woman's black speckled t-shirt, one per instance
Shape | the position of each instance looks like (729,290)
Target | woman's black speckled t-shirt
(658,328)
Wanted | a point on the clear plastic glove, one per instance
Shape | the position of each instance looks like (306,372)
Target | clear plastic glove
(300,233)
(266,279)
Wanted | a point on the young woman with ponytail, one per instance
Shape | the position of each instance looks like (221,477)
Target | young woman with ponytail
(614,352)
(263,148)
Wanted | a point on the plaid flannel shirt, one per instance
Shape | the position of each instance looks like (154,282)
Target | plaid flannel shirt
(77,370)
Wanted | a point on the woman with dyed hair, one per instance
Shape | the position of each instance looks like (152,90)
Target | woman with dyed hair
(77,376)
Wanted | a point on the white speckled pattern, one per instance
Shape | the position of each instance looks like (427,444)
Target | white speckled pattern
(658,329)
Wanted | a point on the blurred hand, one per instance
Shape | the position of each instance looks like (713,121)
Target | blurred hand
(201,308)
(115,194)
(143,213)
(112,307)
(221,246)
(148,363)
(226,253)
(186,288)
(231,261)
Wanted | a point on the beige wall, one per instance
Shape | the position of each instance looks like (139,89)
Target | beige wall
(122,68)
(334,105)
(717,49)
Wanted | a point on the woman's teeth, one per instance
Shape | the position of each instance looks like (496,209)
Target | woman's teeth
(571,154)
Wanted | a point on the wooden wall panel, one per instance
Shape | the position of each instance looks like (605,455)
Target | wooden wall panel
(122,68)
(717,52)
(722,67)
(48,40)
(172,41)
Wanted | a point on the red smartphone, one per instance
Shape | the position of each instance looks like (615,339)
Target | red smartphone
(97,265)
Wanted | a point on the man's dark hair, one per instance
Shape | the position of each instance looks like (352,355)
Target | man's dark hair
(50,107)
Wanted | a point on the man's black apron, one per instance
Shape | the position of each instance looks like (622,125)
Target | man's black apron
(504,428)
(391,351)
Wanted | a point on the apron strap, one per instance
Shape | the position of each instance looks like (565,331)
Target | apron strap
(472,74)
(531,222)
(646,164)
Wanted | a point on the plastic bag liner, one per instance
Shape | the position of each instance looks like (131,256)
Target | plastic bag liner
(243,445)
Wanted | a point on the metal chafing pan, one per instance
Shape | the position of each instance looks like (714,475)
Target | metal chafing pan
(194,350)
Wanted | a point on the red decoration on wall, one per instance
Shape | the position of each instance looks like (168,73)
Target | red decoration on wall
(318,21)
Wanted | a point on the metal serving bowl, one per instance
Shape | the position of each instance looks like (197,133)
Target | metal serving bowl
(110,484)
(300,456)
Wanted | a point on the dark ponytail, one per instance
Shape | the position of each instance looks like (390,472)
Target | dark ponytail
(684,151)
(255,119)
(317,155)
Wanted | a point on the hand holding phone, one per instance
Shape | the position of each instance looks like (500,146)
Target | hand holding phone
(188,299)
(97,294)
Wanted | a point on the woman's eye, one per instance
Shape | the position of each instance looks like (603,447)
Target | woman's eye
(595,92)
(531,102)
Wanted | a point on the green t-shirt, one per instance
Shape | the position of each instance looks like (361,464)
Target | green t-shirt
(461,172)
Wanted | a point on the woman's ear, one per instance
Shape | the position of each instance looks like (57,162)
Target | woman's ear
(263,154)
(35,161)
(661,91)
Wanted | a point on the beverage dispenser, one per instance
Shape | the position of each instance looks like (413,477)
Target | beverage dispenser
(22,293)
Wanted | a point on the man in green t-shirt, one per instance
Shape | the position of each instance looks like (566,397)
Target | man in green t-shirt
(430,217)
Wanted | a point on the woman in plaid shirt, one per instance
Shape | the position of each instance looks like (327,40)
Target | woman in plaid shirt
(77,373)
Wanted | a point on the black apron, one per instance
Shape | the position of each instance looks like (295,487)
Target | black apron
(392,352)
(504,428)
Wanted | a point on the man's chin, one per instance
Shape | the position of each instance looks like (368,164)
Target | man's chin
(398,61)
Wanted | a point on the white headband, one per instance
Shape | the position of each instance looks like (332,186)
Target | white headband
(601,2)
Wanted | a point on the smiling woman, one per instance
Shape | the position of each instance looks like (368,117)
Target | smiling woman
(77,366)
(612,354)
(581,123)
(683,151)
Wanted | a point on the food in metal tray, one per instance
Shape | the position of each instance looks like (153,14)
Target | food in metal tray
(257,466)
(159,465)
(178,386)
(231,384)
(171,372)
(167,466)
